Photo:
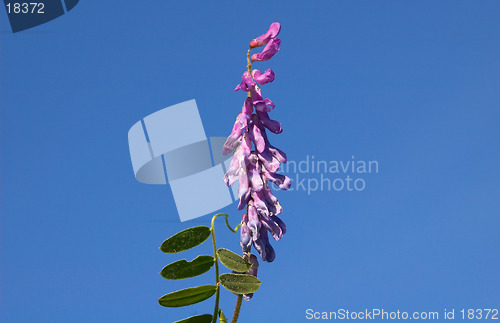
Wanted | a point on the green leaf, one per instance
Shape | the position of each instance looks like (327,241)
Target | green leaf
(187,296)
(222,317)
(185,269)
(240,283)
(233,261)
(186,239)
(205,318)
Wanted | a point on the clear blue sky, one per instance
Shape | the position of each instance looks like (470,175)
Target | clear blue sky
(414,85)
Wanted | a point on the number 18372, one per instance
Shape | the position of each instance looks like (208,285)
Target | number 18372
(25,7)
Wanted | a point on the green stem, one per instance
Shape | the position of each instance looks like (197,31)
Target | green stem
(237,308)
(227,222)
(217,282)
(235,229)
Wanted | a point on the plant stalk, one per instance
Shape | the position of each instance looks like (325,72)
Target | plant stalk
(216,258)
(249,68)
(217,282)
(237,308)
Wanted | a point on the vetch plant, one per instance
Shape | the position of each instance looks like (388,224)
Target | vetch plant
(254,164)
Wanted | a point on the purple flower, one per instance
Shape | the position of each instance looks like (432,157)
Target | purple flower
(270,163)
(278,154)
(254,173)
(246,82)
(273,31)
(238,162)
(246,147)
(256,135)
(263,246)
(256,168)
(282,181)
(247,107)
(255,265)
(274,225)
(243,189)
(234,168)
(256,223)
(270,157)
(234,138)
(246,114)
(252,271)
(253,221)
(272,125)
(264,105)
(272,203)
(263,78)
(272,47)
(245,236)
(259,201)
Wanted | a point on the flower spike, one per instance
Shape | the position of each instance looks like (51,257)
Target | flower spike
(255,161)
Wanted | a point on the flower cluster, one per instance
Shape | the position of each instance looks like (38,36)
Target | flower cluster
(255,161)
